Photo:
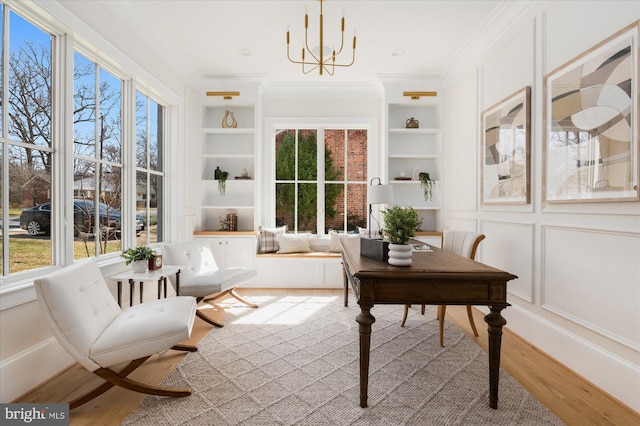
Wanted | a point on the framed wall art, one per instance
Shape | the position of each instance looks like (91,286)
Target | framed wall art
(591,124)
(506,135)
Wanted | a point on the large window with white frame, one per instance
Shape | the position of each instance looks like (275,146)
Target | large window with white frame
(117,169)
(27,145)
(320,179)
(149,169)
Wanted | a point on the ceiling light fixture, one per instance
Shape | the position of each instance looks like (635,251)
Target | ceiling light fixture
(318,60)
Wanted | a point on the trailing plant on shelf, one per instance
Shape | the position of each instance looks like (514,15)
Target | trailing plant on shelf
(139,253)
(222,182)
(400,223)
(427,184)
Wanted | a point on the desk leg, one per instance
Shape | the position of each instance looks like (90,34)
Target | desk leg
(141,289)
(178,283)
(120,293)
(159,287)
(365,319)
(495,322)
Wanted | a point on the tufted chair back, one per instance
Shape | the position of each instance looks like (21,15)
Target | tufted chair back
(464,243)
(78,307)
(195,256)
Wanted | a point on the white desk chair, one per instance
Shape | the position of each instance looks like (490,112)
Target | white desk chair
(201,276)
(90,325)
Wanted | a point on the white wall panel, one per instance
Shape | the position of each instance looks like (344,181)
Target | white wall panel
(509,246)
(501,74)
(572,28)
(592,277)
(460,145)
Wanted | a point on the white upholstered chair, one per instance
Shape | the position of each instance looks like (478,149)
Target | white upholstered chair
(90,325)
(201,276)
(463,243)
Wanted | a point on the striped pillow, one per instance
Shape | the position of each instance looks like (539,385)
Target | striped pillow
(268,239)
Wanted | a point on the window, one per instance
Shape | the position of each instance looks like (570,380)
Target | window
(321,179)
(149,169)
(97,163)
(27,146)
(113,174)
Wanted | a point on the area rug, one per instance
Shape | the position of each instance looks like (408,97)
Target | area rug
(295,361)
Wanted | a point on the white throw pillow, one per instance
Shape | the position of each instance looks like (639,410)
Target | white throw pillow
(293,243)
(335,237)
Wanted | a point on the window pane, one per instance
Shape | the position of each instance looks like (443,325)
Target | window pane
(285,205)
(357,206)
(285,154)
(29,83)
(155,209)
(4,226)
(307,154)
(334,207)
(357,155)
(84,100)
(334,147)
(155,136)
(141,130)
(307,207)
(30,202)
(110,117)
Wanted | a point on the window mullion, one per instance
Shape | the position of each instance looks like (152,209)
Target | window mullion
(320,208)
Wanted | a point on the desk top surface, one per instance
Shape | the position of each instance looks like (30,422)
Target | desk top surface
(433,264)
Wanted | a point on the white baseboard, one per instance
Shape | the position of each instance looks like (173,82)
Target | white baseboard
(28,369)
(618,377)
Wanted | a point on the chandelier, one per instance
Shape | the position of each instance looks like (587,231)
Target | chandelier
(318,59)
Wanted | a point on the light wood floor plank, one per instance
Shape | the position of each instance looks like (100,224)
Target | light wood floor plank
(569,396)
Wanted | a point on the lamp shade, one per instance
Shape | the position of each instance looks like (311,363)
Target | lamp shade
(380,194)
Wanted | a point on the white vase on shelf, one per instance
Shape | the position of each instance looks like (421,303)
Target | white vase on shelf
(399,254)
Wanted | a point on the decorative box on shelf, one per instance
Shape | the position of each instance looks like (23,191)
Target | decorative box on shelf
(375,248)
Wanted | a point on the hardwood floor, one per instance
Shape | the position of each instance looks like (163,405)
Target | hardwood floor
(570,397)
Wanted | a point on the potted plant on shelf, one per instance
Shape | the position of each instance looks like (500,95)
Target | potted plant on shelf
(400,224)
(427,185)
(138,258)
(222,182)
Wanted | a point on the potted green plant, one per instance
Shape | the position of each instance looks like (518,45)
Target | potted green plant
(222,182)
(138,257)
(427,185)
(400,224)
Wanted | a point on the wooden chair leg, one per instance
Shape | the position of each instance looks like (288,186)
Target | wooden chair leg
(208,320)
(423,309)
(185,348)
(441,311)
(404,316)
(241,299)
(473,324)
(113,378)
(118,380)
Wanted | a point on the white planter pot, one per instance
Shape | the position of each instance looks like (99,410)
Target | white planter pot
(139,266)
(399,254)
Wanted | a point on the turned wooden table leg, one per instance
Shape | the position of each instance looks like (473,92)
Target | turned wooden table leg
(365,319)
(495,322)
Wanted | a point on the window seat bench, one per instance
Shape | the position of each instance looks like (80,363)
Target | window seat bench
(315,269)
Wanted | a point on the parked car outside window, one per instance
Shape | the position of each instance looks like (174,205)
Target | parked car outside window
(37,220)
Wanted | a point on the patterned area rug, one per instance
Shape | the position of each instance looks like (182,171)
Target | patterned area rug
(295,361)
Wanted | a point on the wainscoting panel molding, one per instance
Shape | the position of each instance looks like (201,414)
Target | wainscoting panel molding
(591,278)
(509,246)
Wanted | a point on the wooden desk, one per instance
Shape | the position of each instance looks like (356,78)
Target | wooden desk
(159,275)
(434,278)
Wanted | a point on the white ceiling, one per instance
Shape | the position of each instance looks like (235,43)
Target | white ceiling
(207,37)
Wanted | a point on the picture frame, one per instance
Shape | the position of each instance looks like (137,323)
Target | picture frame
(591,124)
(506,145)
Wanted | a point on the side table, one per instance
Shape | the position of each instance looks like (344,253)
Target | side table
(159,275)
